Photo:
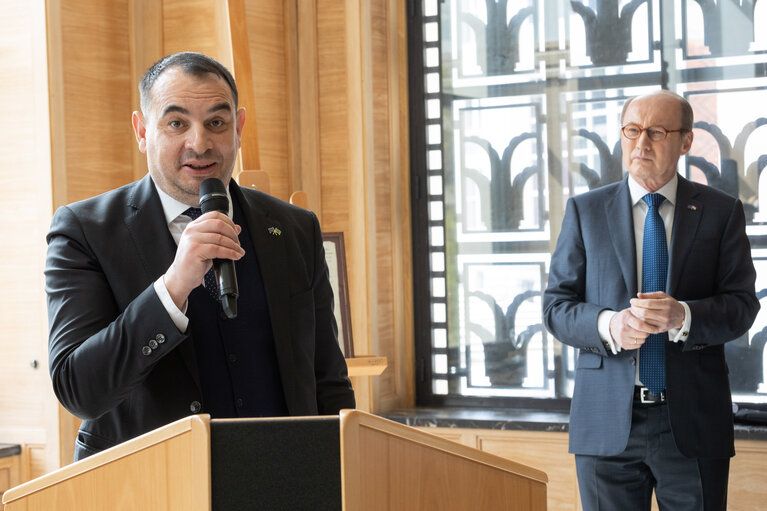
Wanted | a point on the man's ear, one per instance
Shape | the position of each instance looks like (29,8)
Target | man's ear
(240,122)
(139,128)
(687,142)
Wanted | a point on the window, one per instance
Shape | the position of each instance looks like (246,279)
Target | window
(515,107)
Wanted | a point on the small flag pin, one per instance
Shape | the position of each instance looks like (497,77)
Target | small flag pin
(692,207)
(274,231)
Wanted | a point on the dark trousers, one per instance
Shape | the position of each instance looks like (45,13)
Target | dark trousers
(652,461)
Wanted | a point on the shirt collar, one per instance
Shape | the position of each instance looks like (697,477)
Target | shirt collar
(668,190)
(173,208)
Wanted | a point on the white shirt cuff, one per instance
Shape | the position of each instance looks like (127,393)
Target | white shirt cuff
(680,334)
(603,327)
(176,315)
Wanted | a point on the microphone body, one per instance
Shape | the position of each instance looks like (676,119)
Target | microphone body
(213,198)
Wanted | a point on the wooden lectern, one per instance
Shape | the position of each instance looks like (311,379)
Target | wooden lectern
(354,461)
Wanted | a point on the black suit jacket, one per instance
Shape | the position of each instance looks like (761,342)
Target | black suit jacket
(104,254)
(594,268)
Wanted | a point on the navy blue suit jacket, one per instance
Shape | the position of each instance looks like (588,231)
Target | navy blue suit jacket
(104,254)
(593,268)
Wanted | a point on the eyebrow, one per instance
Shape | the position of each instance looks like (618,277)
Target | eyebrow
(181,110)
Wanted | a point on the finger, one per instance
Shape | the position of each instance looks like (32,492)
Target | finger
(222,225)
(644,303)
(655,295)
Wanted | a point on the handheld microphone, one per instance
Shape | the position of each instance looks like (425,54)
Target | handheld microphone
(213,198)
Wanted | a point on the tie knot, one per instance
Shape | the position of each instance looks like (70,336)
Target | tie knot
(193,213)
(653,200)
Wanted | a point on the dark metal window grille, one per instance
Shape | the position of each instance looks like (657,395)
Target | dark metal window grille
(515,107)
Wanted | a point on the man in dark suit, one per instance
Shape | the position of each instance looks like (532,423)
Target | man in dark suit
(136,339)
(677,436)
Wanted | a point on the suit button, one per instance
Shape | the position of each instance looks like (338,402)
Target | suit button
(195,406)
(633,361)
(159,338)
(146,350)
(153,344)
(239,403)
(232,358)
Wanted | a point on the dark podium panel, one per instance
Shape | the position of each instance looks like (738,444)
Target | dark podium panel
(275,464)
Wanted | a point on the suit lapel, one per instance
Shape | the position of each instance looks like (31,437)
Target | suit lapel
(621,229)
(687,214)
(146,223)
(269,238)
(156,249)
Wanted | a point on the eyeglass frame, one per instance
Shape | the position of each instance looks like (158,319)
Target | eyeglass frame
(647,129)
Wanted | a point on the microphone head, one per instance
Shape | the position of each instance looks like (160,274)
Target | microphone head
(213,196)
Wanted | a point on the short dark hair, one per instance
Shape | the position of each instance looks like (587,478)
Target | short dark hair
(195,64)
(687,116)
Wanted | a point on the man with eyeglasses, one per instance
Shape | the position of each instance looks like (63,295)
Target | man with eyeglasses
(649,279)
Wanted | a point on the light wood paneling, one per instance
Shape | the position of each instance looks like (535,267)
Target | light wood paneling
(269,114)
(145,31)
(92,144)
(337,116)
(10,473)
(547,451)
(243,74)
(26,400)
(94,134)
(748,477)
(194,25)
(342,163)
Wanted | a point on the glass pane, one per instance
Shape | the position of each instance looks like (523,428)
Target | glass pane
(524,113)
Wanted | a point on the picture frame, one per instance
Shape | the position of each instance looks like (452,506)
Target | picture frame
(335,256)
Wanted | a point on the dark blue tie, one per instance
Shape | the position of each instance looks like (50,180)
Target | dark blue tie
(210,278)
(652,355)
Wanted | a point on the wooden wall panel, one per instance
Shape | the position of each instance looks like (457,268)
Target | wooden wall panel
(91,72)
(547,451)
(748,476)
(382,171)
(266,39)
(27,404)
(392,257)
(333,111)
(145,32)
(192,25)
(93,130)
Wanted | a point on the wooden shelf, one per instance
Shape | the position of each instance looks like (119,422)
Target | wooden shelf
(366,365)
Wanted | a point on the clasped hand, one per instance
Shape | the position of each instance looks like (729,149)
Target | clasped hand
(212,236)
(650,313)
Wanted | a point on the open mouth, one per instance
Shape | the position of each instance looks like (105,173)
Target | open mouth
(199,167)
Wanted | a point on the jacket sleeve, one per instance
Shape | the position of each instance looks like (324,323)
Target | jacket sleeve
(724,306)
(98,350)
(566,312)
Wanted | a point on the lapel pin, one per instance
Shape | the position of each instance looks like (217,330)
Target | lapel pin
(692,207)
(274,231)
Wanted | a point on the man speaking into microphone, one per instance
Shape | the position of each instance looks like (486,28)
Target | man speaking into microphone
(139,334)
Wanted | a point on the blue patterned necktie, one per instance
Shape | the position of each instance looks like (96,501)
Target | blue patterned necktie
(210,278)
(652,355)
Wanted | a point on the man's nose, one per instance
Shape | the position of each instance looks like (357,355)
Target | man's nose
(198,139)
(644,141)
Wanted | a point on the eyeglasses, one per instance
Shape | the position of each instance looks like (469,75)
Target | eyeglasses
(656,133)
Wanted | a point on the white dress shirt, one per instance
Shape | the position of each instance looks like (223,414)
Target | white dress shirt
(639,211)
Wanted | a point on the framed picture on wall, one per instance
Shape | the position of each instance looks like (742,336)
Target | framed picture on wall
(335,255)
